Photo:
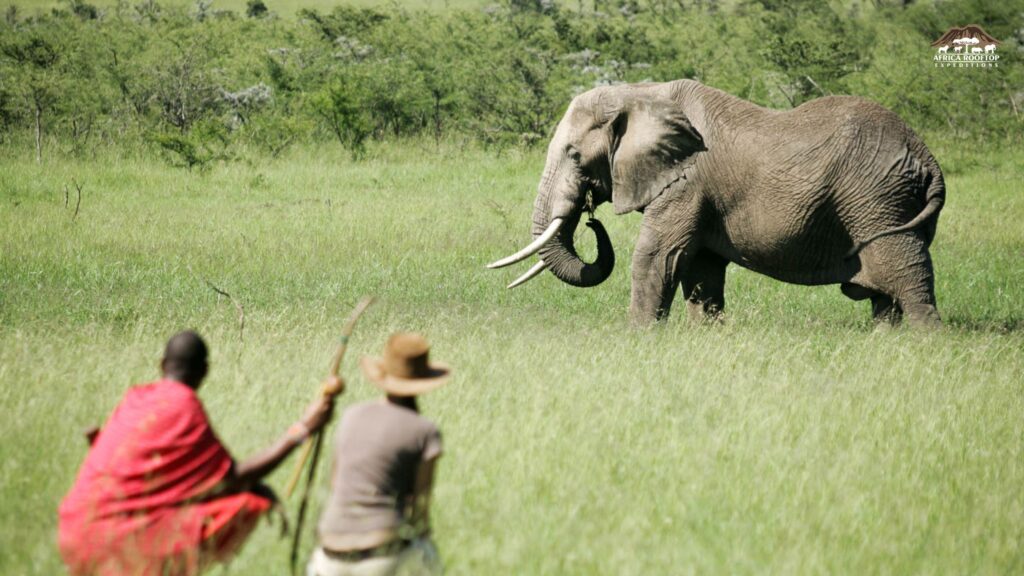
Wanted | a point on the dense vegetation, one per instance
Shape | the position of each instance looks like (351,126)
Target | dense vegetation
(792,439)
(202,84)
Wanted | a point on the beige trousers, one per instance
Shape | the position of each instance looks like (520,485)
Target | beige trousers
(418,559)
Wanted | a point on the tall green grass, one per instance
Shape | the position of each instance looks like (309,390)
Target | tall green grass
(792,439)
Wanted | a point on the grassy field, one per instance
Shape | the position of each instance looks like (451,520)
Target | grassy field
(792,440)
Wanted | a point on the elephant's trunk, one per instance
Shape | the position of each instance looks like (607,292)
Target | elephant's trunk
(563,261)
(559,253)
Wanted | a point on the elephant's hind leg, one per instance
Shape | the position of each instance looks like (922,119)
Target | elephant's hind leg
(704,286)
(901,267)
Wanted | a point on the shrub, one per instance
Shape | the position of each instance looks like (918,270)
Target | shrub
(274,133)
(340,106)
(255,9)
(83,10)
(205,143)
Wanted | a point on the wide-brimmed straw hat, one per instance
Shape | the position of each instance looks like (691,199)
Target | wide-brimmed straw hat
(405,368)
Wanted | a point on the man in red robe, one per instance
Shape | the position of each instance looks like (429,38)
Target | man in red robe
(158,494)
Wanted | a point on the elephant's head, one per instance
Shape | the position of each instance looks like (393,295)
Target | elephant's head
(624,144)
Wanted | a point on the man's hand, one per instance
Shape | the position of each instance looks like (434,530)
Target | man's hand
(333,386)
(319,413)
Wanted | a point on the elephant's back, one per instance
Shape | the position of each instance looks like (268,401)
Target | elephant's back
(851,116)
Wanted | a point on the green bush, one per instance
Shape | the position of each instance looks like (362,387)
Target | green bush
(502,75)
(198,148)
(273,134)
(340,107)
(255,9)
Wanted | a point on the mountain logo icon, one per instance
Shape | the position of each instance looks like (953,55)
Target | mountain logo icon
(970,39)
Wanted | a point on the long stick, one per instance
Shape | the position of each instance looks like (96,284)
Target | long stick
(300,517)
(333,371)
(313,444)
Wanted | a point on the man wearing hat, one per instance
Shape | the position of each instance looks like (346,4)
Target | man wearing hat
(376,520)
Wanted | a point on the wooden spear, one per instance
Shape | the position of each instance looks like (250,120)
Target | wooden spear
(313,444)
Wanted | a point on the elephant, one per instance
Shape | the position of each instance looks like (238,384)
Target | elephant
(838,190)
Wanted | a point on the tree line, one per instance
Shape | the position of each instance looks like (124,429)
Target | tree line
(198,84)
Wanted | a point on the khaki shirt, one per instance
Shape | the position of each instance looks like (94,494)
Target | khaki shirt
(378,449)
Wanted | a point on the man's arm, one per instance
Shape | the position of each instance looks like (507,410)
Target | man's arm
(253,469)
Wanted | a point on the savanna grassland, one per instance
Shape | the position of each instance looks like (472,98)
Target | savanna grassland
(300,159)
(792,439)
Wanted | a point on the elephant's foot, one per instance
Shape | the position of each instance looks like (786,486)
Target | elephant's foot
(650,306)
(922,316)
(654,289)
(704,312)
(641,320)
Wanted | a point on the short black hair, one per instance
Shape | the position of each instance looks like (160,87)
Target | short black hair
(185,357)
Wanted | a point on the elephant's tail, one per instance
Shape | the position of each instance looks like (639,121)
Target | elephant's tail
(935,198)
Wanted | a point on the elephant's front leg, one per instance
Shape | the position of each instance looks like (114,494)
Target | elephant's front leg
(665,245)
(654,280)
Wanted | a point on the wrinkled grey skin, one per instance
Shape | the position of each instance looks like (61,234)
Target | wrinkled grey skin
(836,191)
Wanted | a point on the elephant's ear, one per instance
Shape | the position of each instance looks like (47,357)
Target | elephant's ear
(652,144)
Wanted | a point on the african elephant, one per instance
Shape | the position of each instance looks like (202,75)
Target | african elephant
(837,190)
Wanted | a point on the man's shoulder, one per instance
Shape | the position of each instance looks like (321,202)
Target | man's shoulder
(160,401)
(150,417)
(360,408)
(164,388)
(385,411)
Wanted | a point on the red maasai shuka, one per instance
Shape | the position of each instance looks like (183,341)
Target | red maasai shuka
(137,506)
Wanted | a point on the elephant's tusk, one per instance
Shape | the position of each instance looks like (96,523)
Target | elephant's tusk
(530,274)
(532,248)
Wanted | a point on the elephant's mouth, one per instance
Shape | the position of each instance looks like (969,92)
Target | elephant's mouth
(554,244)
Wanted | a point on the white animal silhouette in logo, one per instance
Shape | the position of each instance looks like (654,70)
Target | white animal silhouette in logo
(965,41)
(990,48)
(943,49)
